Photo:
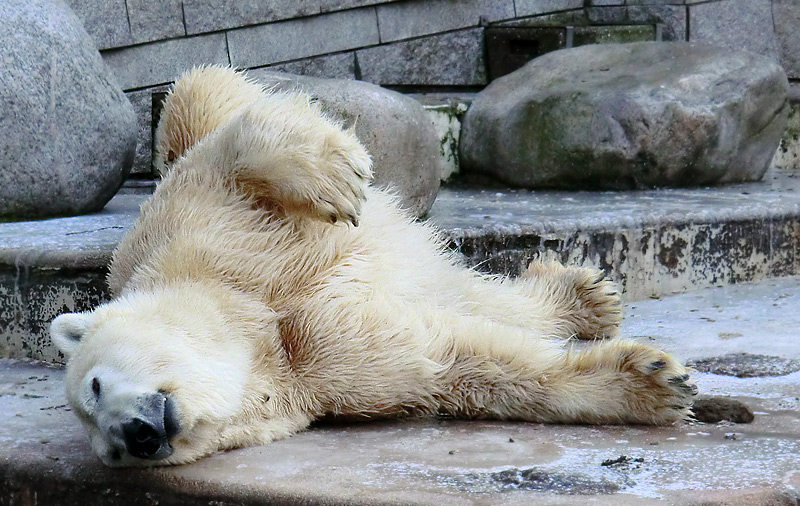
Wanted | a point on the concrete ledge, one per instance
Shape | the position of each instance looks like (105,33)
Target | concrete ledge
(45,457)
(652,243)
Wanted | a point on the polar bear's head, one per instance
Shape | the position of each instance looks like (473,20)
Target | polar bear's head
(154,380)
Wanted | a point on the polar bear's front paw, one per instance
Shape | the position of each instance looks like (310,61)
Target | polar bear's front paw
(340,196)
(659,389)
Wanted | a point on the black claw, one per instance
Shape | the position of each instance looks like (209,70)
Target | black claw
(353,219)
(600,278)
(679,379)
(658,365)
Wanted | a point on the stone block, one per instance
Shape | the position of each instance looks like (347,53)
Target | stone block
(153,20)
(655,2)
(606,15)
(672,17)
(211,15)
(536,7)
(415,18)
(164,61)
(336,66)
(735,24)
(455,58)
(300,38)
(105,20)
(786,14)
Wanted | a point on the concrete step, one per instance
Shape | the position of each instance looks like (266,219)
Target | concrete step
(652,243)
(45,457)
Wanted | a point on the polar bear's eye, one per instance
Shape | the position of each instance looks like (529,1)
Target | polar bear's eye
(171,156)
(96,387)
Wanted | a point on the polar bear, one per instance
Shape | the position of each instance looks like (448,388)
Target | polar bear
(266,284)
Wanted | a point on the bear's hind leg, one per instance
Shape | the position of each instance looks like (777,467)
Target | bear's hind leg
(512,376)
(583,298)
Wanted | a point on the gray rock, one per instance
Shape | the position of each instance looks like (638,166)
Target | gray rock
(395,129)
(746,365)
(67,132)
(786,14)
(629,116)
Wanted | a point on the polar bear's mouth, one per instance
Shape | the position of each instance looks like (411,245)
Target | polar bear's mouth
(148,434)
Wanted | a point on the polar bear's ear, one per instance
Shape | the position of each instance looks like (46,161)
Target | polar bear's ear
(67,330)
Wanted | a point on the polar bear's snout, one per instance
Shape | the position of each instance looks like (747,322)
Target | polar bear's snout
(147,435)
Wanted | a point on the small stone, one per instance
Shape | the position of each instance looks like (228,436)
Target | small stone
(732,436)
(716,409)
(452,452)
(511,440)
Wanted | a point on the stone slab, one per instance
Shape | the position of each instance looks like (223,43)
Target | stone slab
(44,453)
(335,66)
(452,59)
(155,20)
(405,20)
(105,20)
(535,7)
(162,62)
(299,38)
(735,24)
(211,15)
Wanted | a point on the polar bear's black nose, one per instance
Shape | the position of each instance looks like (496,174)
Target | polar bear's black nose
(142,439)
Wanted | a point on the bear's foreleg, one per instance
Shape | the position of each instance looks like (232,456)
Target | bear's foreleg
(286,155)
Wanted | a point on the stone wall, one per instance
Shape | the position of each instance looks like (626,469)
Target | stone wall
(413,45)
